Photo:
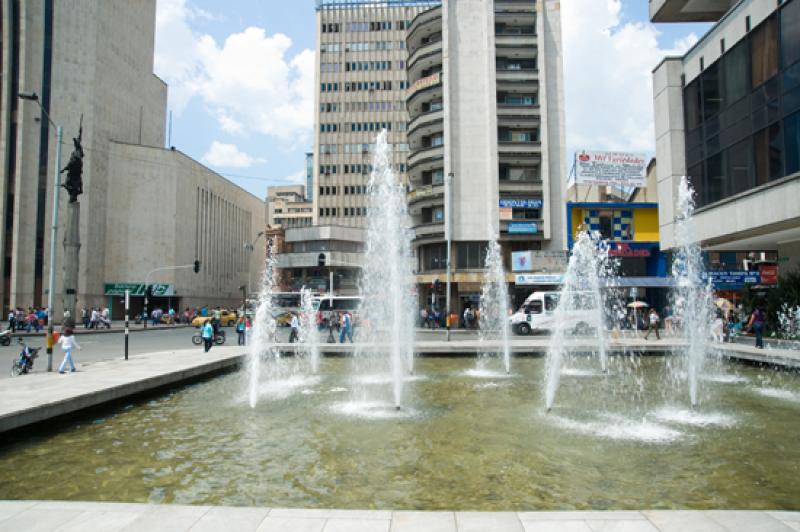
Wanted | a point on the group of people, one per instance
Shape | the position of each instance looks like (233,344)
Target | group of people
(341,322)
(96,318)
(725,325)
(32,319)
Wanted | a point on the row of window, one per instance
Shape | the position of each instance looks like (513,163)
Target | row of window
(328,169)
(367,46)
(383,25)
(348,211)
(335,107)
(328,191)
(469,255)
(363,126)
(366,66)
(364,169)
(332,149)
(358,86)
(349,190)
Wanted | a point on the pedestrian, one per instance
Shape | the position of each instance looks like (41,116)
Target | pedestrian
(756,324)
(94,317)
(423,317)
(295,325)
(12,320)
(208,335)
(33,321)
(85,317)
(105,318)
(68,343)
(718,328)
(652,324)
(347,328)
(241,328)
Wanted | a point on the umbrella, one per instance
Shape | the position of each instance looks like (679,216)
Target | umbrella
(638,304)
(723,303)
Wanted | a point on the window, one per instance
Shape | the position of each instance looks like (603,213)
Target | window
(433,257)
(790,33)
(715,178)
(521,173)
(470,255)
(606,224)
(550,302)
(691,102)
(739,168)
(438,214)
(712,94)
(534,307)
(764,51)
(792,138)
(736,78)
(768,150)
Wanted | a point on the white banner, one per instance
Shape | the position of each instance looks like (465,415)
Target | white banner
(610,168)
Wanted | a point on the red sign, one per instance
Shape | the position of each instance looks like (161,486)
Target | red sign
(769,273)
(624,250)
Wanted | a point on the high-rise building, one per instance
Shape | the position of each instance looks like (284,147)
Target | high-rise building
(727,115)
(360,90)
(288,207)
(486,108)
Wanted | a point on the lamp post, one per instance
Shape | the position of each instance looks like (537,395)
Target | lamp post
(448,231)
(51,281)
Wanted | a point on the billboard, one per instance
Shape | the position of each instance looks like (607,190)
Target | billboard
(522,228)
(521,203)
(521,261)
(610,168)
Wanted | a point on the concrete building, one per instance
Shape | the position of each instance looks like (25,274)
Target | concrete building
(361,87)
(288,207)
(486,107)
(727,114)
(95,60)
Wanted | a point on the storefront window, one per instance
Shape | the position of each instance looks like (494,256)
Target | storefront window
(470,255)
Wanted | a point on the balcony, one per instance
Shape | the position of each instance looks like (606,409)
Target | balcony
(431,50)
(429,85)
(524,115)
(526,42)
(426,23)
(425,193)
(421,155)
(523,187)
(429,231)
(502,7)
(506,148)
(425,119)
(689,10)
(517,75)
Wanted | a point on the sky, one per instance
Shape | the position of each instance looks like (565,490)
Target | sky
(241,80)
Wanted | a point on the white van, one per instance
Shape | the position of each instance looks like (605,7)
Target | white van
(537,314)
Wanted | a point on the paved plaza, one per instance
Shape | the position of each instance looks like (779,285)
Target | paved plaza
(45,516)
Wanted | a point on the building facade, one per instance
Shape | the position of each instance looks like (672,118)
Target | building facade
(727,115)
(486,112)
(288,207)
(361,87)
(91,65)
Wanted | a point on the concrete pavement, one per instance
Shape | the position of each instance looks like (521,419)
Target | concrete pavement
(47,516)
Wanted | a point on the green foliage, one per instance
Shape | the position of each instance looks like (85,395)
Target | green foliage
(787,292)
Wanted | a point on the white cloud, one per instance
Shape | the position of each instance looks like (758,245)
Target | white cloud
(248,83)
(608,76)
(228,156)
(297,178)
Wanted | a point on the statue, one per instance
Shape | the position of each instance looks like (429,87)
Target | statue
(74,168)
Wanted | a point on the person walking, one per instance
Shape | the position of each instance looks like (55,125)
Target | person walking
(85,317)
(241,329)
(12,320)
(295,325)
(33,321)
(652,324)
(68,343)
(208,335)
(347,328)
(94,317)
(105,317)
(756,324)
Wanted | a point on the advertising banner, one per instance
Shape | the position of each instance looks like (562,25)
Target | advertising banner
(538,278)
(522,228)
(521,261)
(137,289)
(733,278)
(521,203)
(768,273)
(610,168)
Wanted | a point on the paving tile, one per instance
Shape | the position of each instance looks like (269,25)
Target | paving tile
(33,520)
(300,512)
(12,508)
(785,516)
(100,521)
(683,521)
(488,521)
(580,516)
(744,521)
(622,525)
(360,514)
(793,525)
(93,506)
(427,521)
(167,517)
(292,524)
(356,525)
(227,518)
(561,525)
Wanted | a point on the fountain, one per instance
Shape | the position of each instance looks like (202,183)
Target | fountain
(692,297)
(386,328)
(581,308)
(494,334)
(264,330)
(309,336)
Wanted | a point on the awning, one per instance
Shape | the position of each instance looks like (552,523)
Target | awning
(642,282)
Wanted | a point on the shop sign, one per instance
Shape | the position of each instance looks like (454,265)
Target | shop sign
(538,278)
(506,214)
(768,273)
(522,203)
(522,228)
(726,278)
(624,250)
(424,83)
(521,261)
(610,168)
(137,289)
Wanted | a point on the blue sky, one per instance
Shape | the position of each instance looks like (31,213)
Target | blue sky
(241,80)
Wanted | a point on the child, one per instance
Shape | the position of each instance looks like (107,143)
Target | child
(68,343)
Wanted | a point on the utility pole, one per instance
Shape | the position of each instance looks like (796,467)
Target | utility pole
(448,232)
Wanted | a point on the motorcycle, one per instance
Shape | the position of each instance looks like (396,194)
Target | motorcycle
(5,338)
(219,338)
(26,357)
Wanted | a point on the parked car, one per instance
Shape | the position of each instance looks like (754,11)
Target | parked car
(227,319)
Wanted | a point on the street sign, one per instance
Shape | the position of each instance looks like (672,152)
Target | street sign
(733,278)
(538,278)
(138,289)
(522,228)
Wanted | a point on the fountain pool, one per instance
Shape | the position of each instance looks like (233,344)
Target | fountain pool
(620,440)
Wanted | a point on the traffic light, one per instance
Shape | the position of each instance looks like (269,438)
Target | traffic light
(197,266)
(321,260)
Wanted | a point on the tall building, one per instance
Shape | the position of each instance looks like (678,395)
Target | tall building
(287,207)
(142,205)
(486,108)
(361,89)
(727,114)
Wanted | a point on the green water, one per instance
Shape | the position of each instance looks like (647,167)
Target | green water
(620,441)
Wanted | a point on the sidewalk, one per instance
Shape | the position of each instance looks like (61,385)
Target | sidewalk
(65,516)
(117,326)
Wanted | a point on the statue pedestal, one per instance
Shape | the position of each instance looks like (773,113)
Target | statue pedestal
(72,247)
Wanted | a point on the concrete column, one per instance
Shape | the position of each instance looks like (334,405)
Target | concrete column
(72,247)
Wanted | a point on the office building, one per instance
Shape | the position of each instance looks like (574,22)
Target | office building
(486,106)
(288,207)
(727,114)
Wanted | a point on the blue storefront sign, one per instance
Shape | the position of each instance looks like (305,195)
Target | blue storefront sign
(522,203)
(731,279)
(522,228)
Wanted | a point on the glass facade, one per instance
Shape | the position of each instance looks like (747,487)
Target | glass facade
(742,114)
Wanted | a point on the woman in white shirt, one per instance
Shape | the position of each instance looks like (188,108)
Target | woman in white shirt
(68,343)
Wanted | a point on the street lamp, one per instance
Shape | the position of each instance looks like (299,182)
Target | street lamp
(51,282)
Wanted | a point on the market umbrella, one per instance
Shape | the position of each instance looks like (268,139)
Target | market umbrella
(638,304)
(723,304)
